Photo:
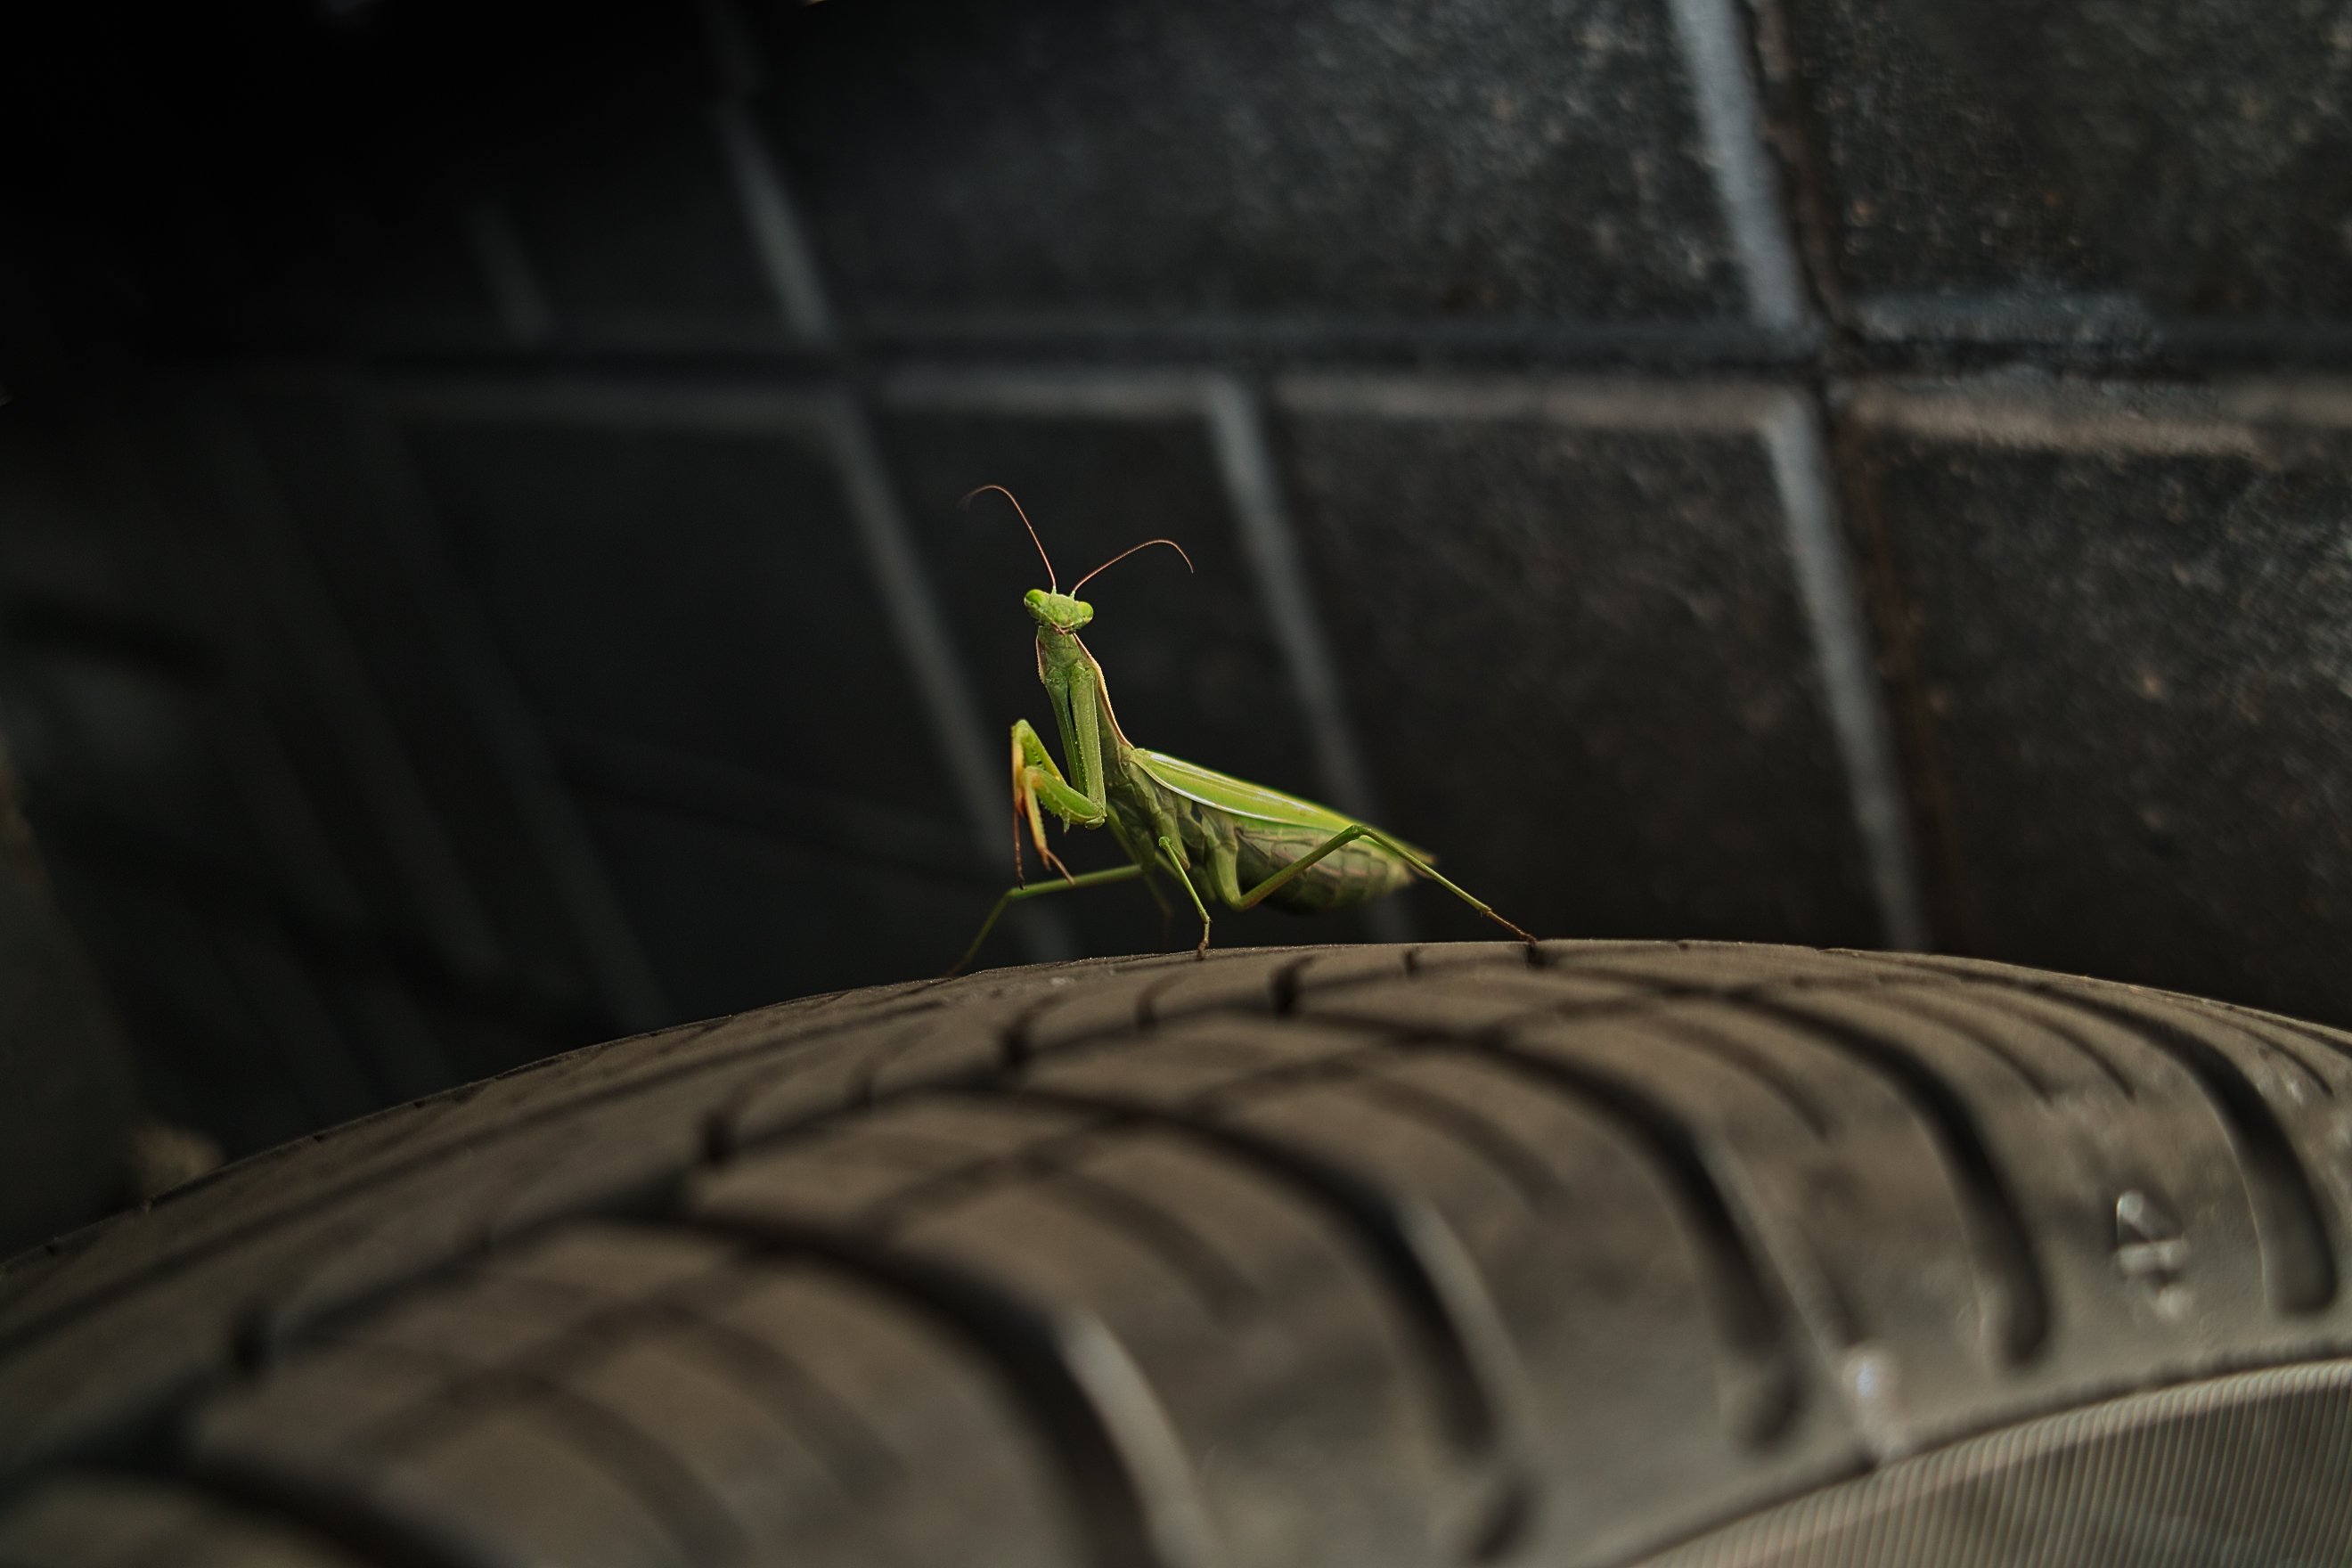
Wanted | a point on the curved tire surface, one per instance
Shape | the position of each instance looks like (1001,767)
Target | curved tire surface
(1635,1252)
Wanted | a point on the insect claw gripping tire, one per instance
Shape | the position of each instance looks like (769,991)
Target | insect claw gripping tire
(1633,1253)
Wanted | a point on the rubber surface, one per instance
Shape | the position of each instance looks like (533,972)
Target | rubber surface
(1349,1255)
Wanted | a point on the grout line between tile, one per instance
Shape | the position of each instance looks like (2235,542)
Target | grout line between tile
(786,259)
(282,570)
(1825,584)
(1731,125)
(922,636)
(507,273)
(1047,391)
(883,539)
(619,970)
(1270,546)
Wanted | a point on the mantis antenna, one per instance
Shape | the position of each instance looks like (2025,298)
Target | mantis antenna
(1124,554)
(1052,585)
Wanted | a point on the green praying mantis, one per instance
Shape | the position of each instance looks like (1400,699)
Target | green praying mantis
(1243,844)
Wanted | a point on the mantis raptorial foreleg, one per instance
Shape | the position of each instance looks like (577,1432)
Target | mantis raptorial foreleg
(1341,839)
(1019,891)
(1035,782)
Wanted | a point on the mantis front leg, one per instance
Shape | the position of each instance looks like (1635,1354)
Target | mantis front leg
(1038,782)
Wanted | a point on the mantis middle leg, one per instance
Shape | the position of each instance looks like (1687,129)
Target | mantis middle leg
(1020,890)
(1175,863)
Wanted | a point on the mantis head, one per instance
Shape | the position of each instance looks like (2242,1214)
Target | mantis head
(1049,607)
(1058,611)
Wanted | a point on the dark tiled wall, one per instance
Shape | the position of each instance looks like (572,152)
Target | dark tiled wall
(2129,612)
(2086,169)
(1805,471)
(1577,652)
(1369,159)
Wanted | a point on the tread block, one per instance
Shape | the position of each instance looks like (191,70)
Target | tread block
(516,1479)
(1461,999)
(1815,1208)
(1119,1005)
(1422,1126)
(344,1245)
(940,1436)
(1195,1055)
(1325,1363)
(915,1049)
(1708,965)
(616,1260)
(856,1168)
(666,1413)
(117,1522)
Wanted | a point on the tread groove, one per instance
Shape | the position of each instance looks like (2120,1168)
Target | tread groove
(2299,1262)
(2057,1028)
(1996,1220)
(1127,1481)
(635,1459)
(2294,1059)
(1221,1290)
(1697,1034)
(1441,1114)
(850,1449)
(1048,1165)
(1288,986)
(373,1534)
(1750,1304)
(795,1397)
(2251,1018)
(453,1149)
(1400,1241)
(2299,1255)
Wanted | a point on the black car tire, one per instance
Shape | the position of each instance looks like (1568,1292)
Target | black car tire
(1656,1253)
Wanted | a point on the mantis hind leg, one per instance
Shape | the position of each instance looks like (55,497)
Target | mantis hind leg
(1168,849)
(1348,836)
(1022,890)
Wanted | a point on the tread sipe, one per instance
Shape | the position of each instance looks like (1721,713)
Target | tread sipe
(1719,1257)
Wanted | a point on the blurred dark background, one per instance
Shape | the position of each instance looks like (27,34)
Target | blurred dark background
(480,574)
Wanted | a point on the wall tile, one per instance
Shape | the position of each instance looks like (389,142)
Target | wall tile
(677,587)
(1573,647)
(2131,613)
(636,236)
(2122,163)
(1480,160)
(735,919)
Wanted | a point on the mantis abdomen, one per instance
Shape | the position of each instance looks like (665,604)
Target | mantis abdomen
(1354,874)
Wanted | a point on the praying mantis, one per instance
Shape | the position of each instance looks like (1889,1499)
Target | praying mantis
(1241,843)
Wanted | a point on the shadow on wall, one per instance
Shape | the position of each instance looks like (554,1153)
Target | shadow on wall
(481,572)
